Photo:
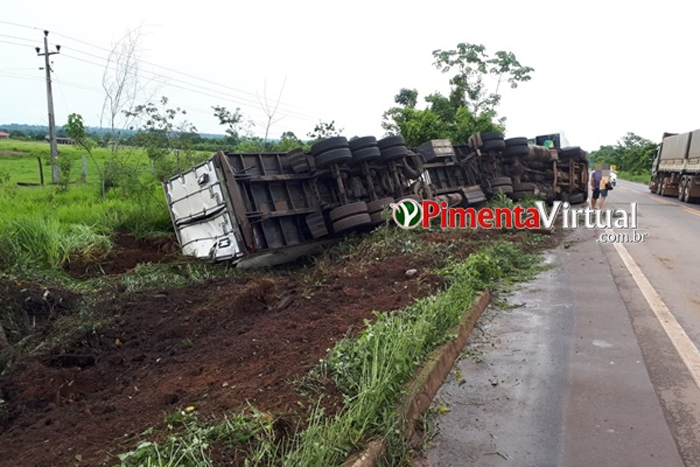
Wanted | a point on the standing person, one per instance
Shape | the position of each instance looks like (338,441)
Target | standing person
(600,179)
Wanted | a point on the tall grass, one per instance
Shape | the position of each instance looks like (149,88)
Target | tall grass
(46,242)
(43,227)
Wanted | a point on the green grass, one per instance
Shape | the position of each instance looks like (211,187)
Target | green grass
(19,159)
(370,370)
(46,226)
(635,177)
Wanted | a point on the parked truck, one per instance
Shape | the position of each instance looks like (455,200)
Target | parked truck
(676,168)
(270,208)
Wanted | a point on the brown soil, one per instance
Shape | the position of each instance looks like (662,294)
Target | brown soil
(128,252)
(28,308)
(214,347)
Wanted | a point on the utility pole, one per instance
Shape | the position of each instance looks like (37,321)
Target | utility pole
(55,175)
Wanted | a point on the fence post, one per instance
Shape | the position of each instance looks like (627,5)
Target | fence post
(84,174)
(41,171)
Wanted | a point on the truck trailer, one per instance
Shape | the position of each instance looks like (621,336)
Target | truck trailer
(270,208)
(676,168)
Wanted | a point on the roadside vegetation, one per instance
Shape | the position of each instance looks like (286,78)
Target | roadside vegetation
(370,369)
(644,178)
(632,155)
(90,265)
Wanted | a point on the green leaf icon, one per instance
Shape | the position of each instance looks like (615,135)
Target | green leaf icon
(407,213)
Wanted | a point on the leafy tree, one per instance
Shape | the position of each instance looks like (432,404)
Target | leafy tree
(631,154)
(440,120)
(407,97)
(468,109)
(232,121)
(166,140)
(324,130)
(75,129)
(471,66)
(288,141)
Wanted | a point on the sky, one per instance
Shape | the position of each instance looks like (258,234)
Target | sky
(601,68)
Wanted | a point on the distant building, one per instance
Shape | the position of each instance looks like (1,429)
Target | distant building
(60,140)
(4,135)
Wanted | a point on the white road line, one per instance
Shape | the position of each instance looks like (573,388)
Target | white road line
(684,346)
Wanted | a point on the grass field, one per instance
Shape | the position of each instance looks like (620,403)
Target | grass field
(641,178)
(45,226)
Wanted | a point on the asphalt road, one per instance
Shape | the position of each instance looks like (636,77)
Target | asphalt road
(597,364)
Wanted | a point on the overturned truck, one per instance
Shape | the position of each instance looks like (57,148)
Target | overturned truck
(271,208)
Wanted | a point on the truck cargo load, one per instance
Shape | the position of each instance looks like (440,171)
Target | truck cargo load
(263,209)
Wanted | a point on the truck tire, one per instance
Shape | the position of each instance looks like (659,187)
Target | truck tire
(377,217)
(298,161)
(510,142)
(500,181)
(378,205)
(333,156)
(506,189)
(317,225)
(366,154)
(328,144)
(412,167)
(576,198)
(686,193)
(573,151)
(390,142)
(347,210)
(515,151)
(526,186)
(491,136)
(396,152)
(681,191)
(362,143)
(494,145)
(352,222)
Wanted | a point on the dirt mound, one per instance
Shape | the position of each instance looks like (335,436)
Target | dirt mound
(25,308)
(128,253)
(213,346)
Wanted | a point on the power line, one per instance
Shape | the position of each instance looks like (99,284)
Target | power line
(231,98)
(18,38)
(241,99)
(19,25)
(158,66)
(61,82)
(16,43)
(63,96)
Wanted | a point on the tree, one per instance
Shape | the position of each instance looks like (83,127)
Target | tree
(232,122)
(472,65)
(122,86)
(75,129)
(324,130)
(631,154)
(469,108)
(407,97)
(288,141)
(167,141)
(270,111)
(442,119)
